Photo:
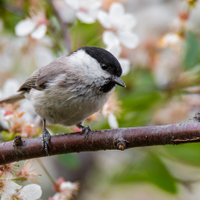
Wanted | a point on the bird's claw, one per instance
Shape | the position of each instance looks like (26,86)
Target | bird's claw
(46,141)
(86,131)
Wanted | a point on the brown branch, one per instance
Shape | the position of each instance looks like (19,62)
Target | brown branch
(123,138)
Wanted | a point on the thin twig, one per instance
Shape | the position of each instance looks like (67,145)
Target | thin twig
(64,27)
(46,172)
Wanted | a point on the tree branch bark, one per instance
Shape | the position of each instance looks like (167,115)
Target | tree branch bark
(122,138)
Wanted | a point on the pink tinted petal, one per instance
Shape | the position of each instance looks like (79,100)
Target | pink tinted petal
(110,39)
(116,12)
(128,39)
(115,50)
(104,19)
(87,18)
(40,32)
(125,64)
(25,27)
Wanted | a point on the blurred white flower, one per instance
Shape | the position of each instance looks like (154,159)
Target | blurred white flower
(121,25)
(107,113)
(125,63)
(28,172)
(86,10)
(173,40)
(29,192)
(10,87)
(65,12)
(36,26)
(65,190)
(7,186)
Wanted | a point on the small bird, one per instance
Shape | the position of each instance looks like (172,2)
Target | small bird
(71,88)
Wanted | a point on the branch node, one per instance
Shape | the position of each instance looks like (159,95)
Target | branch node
(121,144)
(197,116)
(17,141)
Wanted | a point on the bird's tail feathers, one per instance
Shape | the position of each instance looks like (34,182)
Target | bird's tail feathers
(13,98)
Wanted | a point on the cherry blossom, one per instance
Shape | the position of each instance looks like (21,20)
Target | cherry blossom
(65,190)
(36,26)
(29,192)
(10,87)
(120,25)
(110,108)
(85,10)
(173,40)
(28,172)
(7,186)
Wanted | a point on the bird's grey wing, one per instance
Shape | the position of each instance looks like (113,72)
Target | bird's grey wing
(30,82)
(40,78)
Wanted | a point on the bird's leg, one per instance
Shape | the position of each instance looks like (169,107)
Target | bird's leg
(85,129)
(45,138)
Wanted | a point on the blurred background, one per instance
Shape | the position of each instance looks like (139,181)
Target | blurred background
(158,45)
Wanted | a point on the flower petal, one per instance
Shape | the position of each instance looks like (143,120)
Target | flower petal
(73,4)
(110,39)
(10,87)
(128,39)
(125,63)
(112,121)
(30,192)
(104,19)
(25,27)
(116,10)
(116,13)
(40,32)
(92,4)
(115,50)
(88,18)
(128,22)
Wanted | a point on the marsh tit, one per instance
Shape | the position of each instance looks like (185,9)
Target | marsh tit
(71,88)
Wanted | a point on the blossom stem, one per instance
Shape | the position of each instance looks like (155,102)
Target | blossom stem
(55,40)
(46,172)
(64,27)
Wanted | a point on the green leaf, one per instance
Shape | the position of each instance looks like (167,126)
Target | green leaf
(192,54)
(187,153)
(150,169)
(70,161)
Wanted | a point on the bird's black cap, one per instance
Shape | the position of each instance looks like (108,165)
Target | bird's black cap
(107,61)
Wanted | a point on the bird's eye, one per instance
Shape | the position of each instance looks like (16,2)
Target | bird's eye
(104,66)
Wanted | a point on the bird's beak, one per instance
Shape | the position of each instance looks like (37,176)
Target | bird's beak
(119,81)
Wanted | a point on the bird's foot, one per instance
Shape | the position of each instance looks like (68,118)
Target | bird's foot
(46,140)
(86,131)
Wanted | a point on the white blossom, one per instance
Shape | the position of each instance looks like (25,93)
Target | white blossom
(107,113)
(85,10)
(112,121)
(29,192)
(7,186)
(121,25)
(66,190)
(35,26)
(10,87)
